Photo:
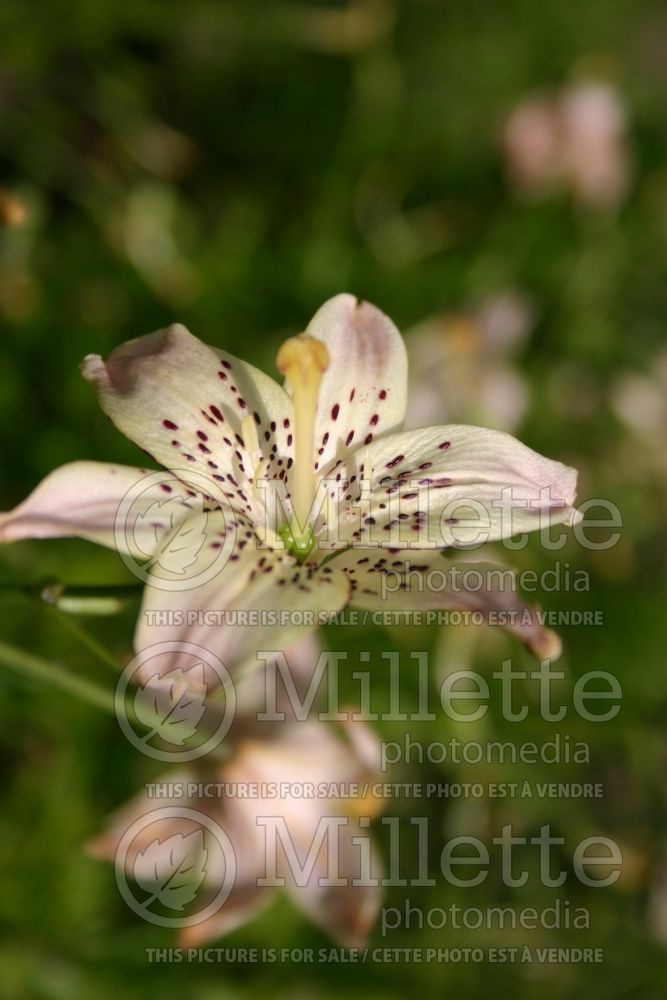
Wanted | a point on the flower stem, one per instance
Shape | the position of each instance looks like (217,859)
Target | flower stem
(84,637)
(54,673)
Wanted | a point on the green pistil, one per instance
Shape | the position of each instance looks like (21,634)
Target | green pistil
(298,546)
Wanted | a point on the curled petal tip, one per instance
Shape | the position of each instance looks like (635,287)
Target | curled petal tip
(547,645)
(119,371)
(94,370)
(577,517)
(101,848)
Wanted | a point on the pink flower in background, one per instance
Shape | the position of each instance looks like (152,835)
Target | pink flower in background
(574,140)
(258,778)
(461,365)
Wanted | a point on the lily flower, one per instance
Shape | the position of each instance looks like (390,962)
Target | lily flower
(300,497)
(462,364)
(280,787)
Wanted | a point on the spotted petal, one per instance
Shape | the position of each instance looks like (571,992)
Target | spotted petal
(449,486)
(363,391)
(410,580)
(231,596)
(113,505)
(185,404)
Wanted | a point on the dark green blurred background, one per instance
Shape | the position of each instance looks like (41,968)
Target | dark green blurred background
(231,166)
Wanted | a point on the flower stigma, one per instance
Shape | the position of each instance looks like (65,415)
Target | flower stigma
(302,360)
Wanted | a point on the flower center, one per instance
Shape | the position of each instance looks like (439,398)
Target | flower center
(303,360)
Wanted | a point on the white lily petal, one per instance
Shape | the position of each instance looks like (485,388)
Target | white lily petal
(311,752)
(215,586)
(450,486)
(185,404)
(363,391)
(410,580)
(83,499)
(246,899)
(346,912)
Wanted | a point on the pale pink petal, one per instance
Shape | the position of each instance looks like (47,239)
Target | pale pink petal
(185,404)
(347,912)
(87,500)
(363,391)
(232,596)
(303,753)
(408,580)
(448,486)
(246,899)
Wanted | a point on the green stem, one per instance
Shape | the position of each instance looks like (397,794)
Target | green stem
(84,637)
(26,663)
(43,590)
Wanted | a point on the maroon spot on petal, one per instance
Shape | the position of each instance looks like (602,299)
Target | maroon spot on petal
(352,394)
(394,461)
(444,445)
(348,440)
(202,436)
(216,413)
(335,410)
(368,439)
(286,423)
(166,488)
(222,376)
(374,420)
(170,425)
(383,393)
(226,364)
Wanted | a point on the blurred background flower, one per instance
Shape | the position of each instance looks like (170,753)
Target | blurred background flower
(575,141)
